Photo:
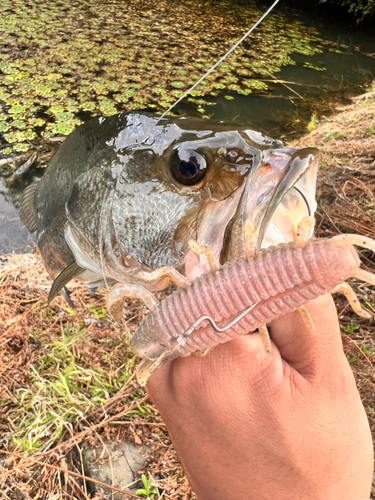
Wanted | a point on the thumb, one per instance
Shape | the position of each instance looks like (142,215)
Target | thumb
(306,350)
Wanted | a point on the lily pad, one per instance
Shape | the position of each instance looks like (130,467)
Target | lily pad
(178,85)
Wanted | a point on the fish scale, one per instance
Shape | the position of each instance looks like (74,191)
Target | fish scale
(114,204)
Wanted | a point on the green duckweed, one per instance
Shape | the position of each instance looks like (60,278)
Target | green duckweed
(63,62)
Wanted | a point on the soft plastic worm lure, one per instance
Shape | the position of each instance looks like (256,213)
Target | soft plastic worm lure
(278,280)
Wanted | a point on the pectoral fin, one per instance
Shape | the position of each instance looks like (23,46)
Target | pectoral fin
(63,278)
(27,210)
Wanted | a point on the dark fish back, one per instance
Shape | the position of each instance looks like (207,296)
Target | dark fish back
(43,203)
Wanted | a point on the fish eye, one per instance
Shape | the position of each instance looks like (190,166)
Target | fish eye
(188,166)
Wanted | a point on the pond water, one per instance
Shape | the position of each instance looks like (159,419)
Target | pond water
(282,111)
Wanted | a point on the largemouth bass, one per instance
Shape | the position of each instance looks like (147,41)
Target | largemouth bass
(137,202)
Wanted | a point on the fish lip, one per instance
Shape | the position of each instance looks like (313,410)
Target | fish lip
(300,191)
(299,163)
(292,176)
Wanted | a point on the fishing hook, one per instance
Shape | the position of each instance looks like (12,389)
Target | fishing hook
(181,339)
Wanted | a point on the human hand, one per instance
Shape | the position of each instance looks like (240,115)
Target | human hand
(254,426)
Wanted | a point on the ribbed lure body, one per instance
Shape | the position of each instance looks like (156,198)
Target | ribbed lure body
(279,280)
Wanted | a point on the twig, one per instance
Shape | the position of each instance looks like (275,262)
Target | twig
(360,350)
(74,481)
(286,86)
(11,322)
(131,422)
(362,186)
(6,161)
(25,166)
(277,80)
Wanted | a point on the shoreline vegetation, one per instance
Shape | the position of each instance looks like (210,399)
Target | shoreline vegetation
(359,10)
(67,376)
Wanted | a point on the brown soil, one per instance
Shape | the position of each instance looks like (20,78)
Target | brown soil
(84,348)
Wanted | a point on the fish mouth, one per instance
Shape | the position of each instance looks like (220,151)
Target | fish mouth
(276,194)
(284,178)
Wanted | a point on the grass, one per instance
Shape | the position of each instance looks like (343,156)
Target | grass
(312,123)
(149,490)
(350,328)
(62,388)
(67,381)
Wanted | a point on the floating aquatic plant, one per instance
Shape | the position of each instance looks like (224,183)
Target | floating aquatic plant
(61,62)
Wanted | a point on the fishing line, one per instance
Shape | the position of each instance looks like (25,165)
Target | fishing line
(106,196)
(101,233)
(220,60)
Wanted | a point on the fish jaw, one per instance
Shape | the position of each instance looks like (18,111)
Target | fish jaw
(297,203)
(300,175)
(275,196)
(214,218)
(267,200)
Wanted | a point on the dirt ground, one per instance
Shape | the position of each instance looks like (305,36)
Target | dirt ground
(67,376)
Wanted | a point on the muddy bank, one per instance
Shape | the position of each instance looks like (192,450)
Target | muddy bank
(67,376)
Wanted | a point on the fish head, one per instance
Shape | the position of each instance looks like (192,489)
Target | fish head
(175,180)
